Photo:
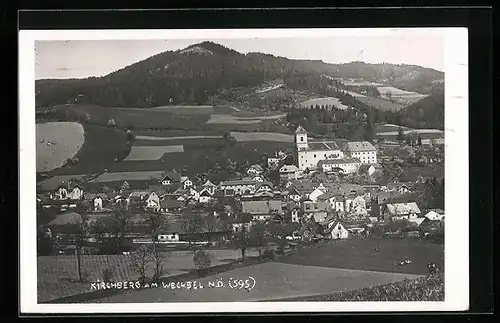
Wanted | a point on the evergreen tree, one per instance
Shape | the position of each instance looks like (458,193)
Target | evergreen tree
(401,136)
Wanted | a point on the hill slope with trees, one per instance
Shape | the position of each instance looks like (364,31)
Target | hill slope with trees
(200,71)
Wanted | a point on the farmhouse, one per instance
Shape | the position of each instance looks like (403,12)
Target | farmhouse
(402,187)
(363,150)
(208,185)
(205,196)
(399,211)
(186,182)
(293,194)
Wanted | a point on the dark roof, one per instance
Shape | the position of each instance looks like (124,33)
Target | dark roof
(258,185)
(238,182)
(261,207)
(170,204)
(365,167)
(175,177)
(356,146)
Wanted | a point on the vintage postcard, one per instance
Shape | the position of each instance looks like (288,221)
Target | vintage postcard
(248,170)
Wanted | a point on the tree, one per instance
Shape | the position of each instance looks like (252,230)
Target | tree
(419,140)
(211,224)
(156,223)
(202,260)
(140,260)
(112,230)
(369,133)
(191,223)
(400,136)
(257,237)
(242,240)
(79,231)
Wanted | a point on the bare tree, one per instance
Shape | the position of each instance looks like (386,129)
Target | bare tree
(211,224)
(80,231)
(140,260)
(191,223)
(156,223)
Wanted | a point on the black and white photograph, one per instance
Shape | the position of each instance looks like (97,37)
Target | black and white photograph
(251,167)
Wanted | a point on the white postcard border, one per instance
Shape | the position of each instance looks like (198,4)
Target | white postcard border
(456,174)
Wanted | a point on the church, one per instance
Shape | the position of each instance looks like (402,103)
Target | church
(314,153)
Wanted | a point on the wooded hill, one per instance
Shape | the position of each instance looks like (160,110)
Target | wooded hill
(194,74)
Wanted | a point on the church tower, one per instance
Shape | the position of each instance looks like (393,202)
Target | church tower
(301,139)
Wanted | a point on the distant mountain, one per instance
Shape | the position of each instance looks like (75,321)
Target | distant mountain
(193,74)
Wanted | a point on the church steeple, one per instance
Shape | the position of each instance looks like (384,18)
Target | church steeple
(301,138)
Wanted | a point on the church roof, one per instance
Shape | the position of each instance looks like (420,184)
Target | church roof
(300,130)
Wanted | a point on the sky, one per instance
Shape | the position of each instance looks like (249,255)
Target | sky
(84,58)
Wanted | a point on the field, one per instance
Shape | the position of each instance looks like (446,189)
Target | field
(139,137)
(324,269)
(395,92)
(233,119)
(388,128)
(262,136)
(57,275)
(152,152)
(128,176)
(324,101)
(56,142)
(272,281)
(360,254)
(381,104)
(102,145)
(361,83)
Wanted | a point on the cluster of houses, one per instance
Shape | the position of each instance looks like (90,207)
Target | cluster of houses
(294,200)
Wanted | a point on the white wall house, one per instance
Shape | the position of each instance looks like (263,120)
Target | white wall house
(309,153)
(174,237)
(363,150)
(153,202)
(339,232)
(98,204)
(346,165)
(238,186)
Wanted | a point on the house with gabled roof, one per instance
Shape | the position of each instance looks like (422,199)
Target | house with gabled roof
(399,211)
(170,178)
(255,170)
(262,210)
(237,187)
(293,194)
(338,231)
(289,172)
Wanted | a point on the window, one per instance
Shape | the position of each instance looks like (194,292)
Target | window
(314,155)
(301,138)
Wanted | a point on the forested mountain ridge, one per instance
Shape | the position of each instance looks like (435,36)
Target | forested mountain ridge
(194,74)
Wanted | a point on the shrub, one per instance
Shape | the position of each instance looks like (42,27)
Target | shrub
(202,260)
(107,275)
(268,254)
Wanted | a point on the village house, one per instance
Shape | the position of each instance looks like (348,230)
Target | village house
(68,191)
(367,169)
(170,206)
(399,211)
(314,195)
(153,202)
(262,210)
(293,194)
(435,215)
(273,162)
(294,211)
(264,187)
(364,151)
(186,182)
(338,231)
(170,178)
(346,166)
(402,187)
(205,196)
(211,187)
(255,170)
(237,187)
(289,172)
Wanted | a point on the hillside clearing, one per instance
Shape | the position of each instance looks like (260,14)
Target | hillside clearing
(324,101)
(56,142)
